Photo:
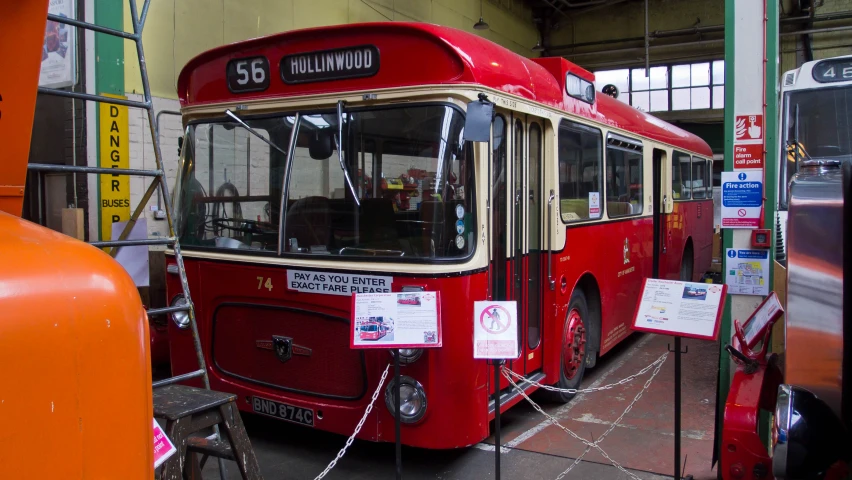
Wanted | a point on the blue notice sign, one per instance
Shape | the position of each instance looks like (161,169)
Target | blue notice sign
(752,254)
(742,198)
(742,194)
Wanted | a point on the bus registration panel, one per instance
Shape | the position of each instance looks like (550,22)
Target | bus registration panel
(302,416)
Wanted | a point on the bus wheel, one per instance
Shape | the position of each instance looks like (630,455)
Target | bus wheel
(686,265)
(574,346)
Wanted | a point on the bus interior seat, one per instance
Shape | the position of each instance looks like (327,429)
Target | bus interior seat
(619,208)
(577,206)
(308,221)
(376,224)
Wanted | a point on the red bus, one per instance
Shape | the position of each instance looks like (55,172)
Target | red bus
(372,331)
(322,162)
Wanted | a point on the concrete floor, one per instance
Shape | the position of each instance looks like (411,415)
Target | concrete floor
(642,443)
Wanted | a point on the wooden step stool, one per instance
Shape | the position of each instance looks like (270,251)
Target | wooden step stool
(188,410)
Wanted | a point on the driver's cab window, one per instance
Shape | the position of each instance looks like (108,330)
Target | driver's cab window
(229,187)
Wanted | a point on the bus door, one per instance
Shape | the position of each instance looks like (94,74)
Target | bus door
(660,200)
(517,201)
(529,227)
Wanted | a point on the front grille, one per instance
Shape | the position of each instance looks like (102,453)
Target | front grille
(243,349)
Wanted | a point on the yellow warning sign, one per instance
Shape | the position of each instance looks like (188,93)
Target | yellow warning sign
(114,153)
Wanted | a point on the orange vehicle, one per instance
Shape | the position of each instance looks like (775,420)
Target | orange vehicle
(76,370)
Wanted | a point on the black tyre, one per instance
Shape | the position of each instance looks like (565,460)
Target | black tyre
(575,347)
(686,265)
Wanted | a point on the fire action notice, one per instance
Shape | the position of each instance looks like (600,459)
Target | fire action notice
(337,283)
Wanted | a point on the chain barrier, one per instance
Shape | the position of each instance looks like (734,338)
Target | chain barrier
(657,365)
(358,428)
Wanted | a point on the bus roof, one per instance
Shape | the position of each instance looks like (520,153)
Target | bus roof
(829,72)
(412,54)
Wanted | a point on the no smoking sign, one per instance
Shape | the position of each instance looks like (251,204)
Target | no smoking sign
(495,330)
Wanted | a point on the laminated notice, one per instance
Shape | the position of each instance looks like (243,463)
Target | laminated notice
(495,330)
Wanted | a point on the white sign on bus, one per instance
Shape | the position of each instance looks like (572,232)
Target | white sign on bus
(336,283)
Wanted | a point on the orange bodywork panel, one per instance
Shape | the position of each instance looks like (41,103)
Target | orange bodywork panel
(75,366)
(21,36)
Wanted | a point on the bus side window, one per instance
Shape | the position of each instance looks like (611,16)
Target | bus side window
(623,181)
(708,178)
(580,171)
(681,176)
(699,181)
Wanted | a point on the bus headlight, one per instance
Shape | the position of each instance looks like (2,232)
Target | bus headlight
(408,355)
(807,435)
(181,319)
(412,405)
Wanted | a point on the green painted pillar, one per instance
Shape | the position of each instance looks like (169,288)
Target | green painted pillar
(751,87)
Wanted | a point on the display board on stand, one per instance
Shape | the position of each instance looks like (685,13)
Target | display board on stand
(495,338)
(680,309)
(685,309)
(394,320)
(495,330)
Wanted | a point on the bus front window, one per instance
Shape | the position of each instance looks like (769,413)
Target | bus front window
(822,130)
(409,167)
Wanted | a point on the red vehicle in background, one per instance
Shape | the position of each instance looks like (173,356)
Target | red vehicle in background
(588,197)
(372,331)
(412,300)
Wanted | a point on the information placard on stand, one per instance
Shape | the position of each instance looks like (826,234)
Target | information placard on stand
(685,309)
(680,309)
(394,320)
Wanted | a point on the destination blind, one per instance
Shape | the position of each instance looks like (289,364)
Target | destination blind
(336,64)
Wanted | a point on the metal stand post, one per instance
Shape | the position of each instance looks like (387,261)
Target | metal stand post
(677,374)
(497,365)
(397,421)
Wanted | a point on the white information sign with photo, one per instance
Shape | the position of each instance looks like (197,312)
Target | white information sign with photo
(495,330)
(684,309)
(396,320)
(331,283)
(59,51)
(747,271)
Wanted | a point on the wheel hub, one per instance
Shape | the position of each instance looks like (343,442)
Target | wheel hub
(574,345)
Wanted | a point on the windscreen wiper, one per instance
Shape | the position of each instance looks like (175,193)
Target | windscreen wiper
(243,124)
(338,140)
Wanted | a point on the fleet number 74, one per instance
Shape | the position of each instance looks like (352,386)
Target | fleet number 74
(267,285)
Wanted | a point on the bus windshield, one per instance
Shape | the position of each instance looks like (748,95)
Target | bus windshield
(408,166)
(823,129)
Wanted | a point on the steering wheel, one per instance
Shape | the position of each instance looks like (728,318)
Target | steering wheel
(239,225)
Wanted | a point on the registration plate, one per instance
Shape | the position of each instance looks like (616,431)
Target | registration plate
(302,416)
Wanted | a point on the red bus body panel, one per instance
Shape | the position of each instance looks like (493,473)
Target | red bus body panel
(346,378)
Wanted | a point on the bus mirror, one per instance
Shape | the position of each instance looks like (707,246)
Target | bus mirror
(477,123)
(320,145)
(180,145)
